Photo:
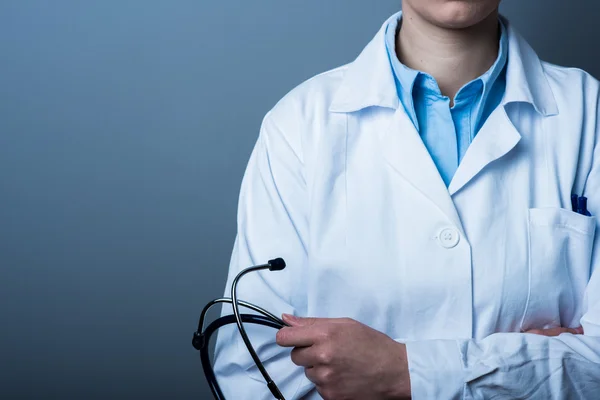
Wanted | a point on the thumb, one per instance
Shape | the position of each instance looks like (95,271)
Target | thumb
(292,320)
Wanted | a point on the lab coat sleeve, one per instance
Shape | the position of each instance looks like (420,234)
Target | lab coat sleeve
(272,223)
(519,365)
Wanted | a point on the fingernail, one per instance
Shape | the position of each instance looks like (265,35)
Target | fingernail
(289,317)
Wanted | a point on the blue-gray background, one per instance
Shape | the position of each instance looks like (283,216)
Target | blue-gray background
(125,128)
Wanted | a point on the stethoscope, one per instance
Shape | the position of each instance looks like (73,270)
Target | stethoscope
(202,336)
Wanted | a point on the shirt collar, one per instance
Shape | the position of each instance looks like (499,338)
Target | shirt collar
(369,80)
(405,78)
(490,76)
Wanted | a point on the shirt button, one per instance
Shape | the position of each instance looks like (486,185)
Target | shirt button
(449,238)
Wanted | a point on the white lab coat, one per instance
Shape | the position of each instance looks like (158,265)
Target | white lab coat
(341,186)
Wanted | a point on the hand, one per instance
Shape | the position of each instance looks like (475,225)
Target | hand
(556,331)
(347,360)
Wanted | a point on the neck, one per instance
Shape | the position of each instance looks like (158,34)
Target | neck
(453,57)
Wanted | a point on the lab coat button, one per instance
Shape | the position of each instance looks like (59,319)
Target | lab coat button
(449,238)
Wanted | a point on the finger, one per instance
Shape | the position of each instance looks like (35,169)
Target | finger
(547,332)
(318,375)
(302,357)
(295,337)
(292,320)
(556,331)
(575,331)
(311,374)
(535,331)
(324,378)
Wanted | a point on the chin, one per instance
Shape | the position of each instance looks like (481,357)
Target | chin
(461,14)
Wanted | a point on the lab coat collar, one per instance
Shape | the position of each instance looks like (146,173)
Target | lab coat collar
(525,77)
(369,80)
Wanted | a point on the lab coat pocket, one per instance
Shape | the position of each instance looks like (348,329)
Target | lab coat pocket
(560,249)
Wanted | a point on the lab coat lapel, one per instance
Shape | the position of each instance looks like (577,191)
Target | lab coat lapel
(526,83)
(495,139)
(406,153)
(369,81)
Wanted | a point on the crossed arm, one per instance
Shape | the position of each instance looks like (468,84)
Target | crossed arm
(345,359)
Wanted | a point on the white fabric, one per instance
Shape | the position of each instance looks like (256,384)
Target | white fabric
(341,186)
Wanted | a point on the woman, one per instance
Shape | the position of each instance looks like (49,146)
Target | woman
(421,197)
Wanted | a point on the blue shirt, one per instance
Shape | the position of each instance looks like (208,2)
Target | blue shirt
(447,131)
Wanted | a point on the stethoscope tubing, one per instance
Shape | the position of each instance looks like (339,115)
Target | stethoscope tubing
(216,324)
(203,335)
